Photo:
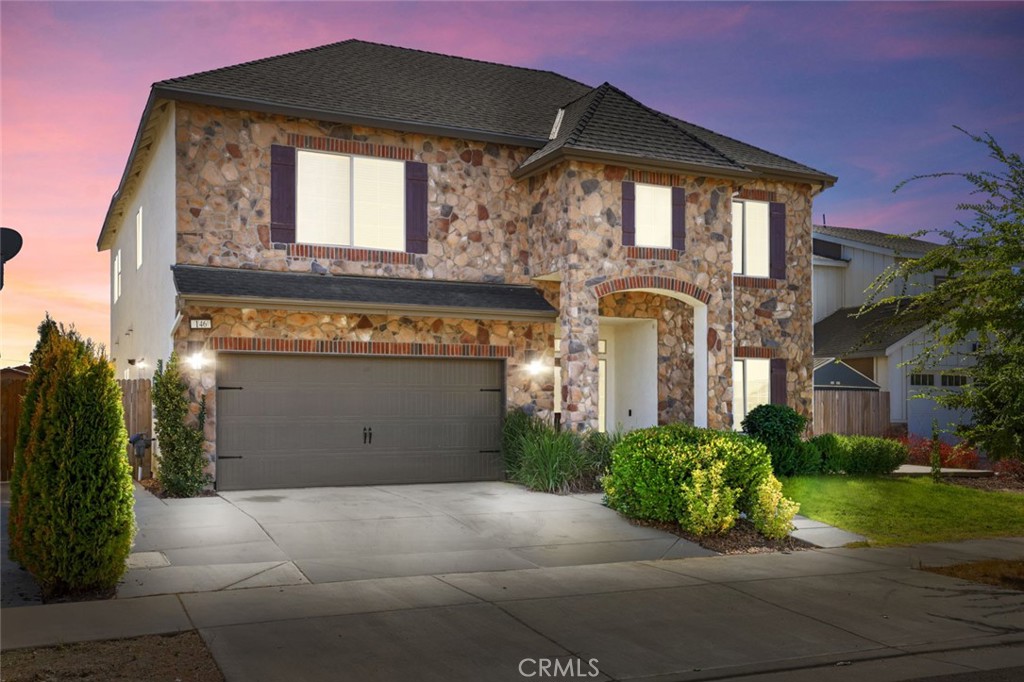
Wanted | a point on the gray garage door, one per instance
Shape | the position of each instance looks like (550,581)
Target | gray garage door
(298,421)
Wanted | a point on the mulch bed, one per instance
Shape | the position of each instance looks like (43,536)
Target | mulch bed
(1008,484)
(741,539)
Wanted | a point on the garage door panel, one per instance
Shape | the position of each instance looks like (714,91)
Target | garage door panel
(300,420)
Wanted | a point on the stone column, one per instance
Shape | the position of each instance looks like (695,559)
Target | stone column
(579,327)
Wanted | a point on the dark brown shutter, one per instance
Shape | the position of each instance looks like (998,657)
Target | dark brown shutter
(778,381)
(282,194)
(777,240)
(415,207)
(628,214)
(679,218)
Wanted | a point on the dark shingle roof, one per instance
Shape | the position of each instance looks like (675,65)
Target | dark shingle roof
(749,155)
(894,242)
(364,80)
(841,334)
(198,281)
(607,121)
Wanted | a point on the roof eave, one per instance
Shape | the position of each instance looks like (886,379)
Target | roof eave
(640,162)
(103,242)
(223,300)
(823,179)
(266,107)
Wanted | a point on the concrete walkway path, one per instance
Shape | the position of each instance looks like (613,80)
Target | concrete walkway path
(843,614)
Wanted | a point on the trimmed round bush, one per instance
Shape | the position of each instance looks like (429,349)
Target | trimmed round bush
(699,478)
(72,518)
(780,427)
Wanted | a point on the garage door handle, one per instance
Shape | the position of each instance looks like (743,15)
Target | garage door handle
(490,390)
(230,457)
(229,388)
(367,435)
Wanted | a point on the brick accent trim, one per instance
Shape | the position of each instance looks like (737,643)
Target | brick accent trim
(653,253)
(757,282)
(611,286)
(335,144)
(452,350)
(754,352)
(655,178)
(758,195)
(350,253)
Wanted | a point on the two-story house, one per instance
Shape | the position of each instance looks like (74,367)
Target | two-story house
(367,254)
(846,263)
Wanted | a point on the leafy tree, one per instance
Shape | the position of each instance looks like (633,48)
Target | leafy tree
(982,300)
(72,517)
(181,459)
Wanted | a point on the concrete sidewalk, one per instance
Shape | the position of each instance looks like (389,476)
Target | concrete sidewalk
(844,614)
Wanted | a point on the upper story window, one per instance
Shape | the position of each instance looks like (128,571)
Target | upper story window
(117,275)
(750,238)
(350,201)
(758,238)
(343,200)
(138,239)
(653,216)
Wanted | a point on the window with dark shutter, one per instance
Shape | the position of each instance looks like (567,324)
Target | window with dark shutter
(679,218)
(282,194)
(415,207)
(628,214)
(778,381)
(777,241)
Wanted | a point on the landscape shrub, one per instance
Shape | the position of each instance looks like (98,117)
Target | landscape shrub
(598,446)
(688,475)
(710,504)
(72,518)
(959,456)
(1010,468)
(550,460)
(514,428)
(772,513)
(860,455)
(780,427)
(180,457)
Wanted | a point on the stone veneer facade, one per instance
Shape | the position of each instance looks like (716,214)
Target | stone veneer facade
(485,225)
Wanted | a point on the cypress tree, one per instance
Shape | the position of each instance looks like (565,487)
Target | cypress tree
(74,523)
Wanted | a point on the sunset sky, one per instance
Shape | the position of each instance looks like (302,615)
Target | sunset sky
(866,91)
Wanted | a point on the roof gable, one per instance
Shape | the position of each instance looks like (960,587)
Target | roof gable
(608,122)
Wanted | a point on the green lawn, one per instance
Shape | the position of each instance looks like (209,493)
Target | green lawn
(898,511)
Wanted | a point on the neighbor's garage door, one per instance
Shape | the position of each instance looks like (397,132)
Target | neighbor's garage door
(294,420)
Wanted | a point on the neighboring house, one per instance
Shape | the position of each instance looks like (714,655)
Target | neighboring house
(846,262)
(369,253)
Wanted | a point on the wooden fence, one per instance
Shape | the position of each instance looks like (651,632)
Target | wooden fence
(11,390)
(851,412)
(136,399)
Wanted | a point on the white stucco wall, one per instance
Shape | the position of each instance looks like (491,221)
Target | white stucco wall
(142,318)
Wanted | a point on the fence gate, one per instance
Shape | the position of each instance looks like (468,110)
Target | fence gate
(137,400)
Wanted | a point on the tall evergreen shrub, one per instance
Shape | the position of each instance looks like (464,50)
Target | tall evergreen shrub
(180,458)
(72,518)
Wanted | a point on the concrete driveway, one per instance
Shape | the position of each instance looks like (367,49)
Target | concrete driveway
(323,535)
